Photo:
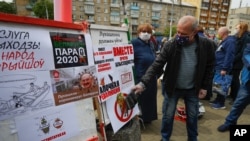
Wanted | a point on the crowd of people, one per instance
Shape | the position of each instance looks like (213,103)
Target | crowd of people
(192,67)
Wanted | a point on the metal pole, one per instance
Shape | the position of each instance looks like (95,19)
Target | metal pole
(171,20)
(47,14)
(126,20)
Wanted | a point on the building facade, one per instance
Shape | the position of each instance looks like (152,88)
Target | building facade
(112,12)
(238,15)
(212,14)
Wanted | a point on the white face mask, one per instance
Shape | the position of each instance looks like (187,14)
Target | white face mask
(144,36)
(236,31)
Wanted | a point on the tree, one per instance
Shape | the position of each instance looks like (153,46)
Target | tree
(7,8)
(44,9)
(167,31)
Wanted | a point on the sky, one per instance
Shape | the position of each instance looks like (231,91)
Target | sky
(236,3)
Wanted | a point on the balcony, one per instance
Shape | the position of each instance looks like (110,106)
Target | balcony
(89,3)
(205,1)
(132,7)
(114,22)
(223,17)
(214,9)
(134,23)
(155,25)
(155,18)
(91,20)
(204,14)
(225,4)
(134,14)
(156,8)
(204,8)
(215,2)
(213,15)
(223,10)
(222,23)
(90,11)
(212,22)
(203,21)
(115,5)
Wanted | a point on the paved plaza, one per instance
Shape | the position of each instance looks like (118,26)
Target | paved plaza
(207,124)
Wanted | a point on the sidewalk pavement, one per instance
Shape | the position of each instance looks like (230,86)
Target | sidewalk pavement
(207,126)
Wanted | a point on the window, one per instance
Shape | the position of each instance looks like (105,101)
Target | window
(106,10)
(98,18)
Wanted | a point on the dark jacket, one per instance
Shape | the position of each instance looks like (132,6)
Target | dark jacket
(224,54)
(241,44)
(171,54)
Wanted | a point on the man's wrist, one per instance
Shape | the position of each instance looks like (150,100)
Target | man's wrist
(143,85)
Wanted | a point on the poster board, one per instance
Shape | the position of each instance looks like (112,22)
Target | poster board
(114,59)
(41,61)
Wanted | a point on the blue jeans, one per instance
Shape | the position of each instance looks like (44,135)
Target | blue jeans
(192,109)
(240,103)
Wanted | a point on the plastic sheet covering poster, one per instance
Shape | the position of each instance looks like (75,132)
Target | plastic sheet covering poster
(123,57)
(22,50)
(23,92)
(108,80)
(117,112)
(73,84)
(55,124)
(69,50)
(124,61)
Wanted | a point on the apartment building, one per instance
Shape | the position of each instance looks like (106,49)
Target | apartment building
(212,14)
(159,13)
(238,15)
(111,12)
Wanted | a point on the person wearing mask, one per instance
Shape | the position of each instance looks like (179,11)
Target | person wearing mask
(243,96)
(189,63)
(224,55)
(144,56)
(242,39)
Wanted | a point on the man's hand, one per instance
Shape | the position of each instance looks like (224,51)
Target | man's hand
(223,72)
(139,88)
(202,93)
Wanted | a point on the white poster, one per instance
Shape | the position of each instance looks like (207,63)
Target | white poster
(57,124)
(23,49)
(123,55)
(24,92)
(73,84)
(117,112)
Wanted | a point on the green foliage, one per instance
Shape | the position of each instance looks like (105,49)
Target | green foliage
(40,8)
(167,31)
(7,8)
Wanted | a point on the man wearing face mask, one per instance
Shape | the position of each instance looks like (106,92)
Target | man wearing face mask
(189,63)
(223,66)
(144,56)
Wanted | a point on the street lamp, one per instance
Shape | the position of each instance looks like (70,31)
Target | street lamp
(171,19)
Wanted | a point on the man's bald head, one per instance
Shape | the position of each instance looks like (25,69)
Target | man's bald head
(188,21)
(223,32)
